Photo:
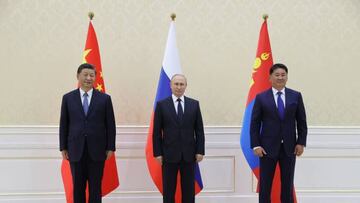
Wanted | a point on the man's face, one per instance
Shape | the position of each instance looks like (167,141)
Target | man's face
(178,85)
(278,78)
(86,78)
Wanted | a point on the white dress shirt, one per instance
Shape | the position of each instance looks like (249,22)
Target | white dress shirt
(176,102)
(82,92)
(275,91)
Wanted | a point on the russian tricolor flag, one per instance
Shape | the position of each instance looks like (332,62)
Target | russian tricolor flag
(170,67)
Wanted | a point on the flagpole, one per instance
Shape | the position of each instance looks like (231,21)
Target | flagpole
(173,16)
(265,16)
(91,15)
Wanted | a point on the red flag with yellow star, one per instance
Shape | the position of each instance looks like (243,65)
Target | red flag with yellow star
(110,180)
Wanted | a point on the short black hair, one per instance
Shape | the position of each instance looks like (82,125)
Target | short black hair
(276,66)
(86,66)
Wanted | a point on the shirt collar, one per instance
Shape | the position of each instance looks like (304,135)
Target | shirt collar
(82,92)
(275,91)
(174,98)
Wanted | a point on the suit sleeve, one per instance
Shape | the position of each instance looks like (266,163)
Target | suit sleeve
(301,122)
(64,125)
(255,123)
(110,126)
(157,132)
(199,132)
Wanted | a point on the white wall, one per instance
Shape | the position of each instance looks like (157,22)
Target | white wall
(327,172)
(42,45)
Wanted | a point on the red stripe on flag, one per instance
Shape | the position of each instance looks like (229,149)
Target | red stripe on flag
(67,180)
(153,166)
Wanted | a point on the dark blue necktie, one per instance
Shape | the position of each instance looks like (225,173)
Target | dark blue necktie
(180,111)
(280,105)
(85,103)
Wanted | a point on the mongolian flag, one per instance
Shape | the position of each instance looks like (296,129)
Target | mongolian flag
(259,83)
(110,180)
(170,67)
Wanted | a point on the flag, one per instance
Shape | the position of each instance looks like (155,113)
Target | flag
(110,180)
(259,83)
(170,67)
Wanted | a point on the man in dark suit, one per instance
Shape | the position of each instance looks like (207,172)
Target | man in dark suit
(278,133)
(178,140)
(87,134)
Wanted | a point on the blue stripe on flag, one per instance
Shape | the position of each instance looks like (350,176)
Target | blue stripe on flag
(252,160)
(198,176)
(163,90)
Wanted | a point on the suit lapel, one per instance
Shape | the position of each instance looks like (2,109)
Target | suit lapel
(270,95)
(288,99)
(171,107)
(93,101)
(187,106)
(77,101)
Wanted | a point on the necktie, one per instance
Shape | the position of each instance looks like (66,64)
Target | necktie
(85,103)
(280,105)
(180,111)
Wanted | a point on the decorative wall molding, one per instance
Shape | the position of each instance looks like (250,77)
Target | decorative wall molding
(30,165)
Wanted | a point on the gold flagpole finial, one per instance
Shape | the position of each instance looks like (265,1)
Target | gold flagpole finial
(91,15)
(265,16)
(173,16)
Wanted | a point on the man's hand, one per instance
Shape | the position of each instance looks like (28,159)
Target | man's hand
(199,157)
(159,159)
(109,154)
(259,151)
(299,149)
(65,154)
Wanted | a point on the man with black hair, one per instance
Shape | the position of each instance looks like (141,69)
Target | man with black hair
(87,134)
(278,133)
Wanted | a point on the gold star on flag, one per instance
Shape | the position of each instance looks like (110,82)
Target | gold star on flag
(99,87)
(85,53)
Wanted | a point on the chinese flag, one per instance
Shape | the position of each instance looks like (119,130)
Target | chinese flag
(110,180)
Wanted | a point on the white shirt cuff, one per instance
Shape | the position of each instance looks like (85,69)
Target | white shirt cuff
(257,147)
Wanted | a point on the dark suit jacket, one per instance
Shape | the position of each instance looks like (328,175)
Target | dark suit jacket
(98,126)
(172,139)
(267,129)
